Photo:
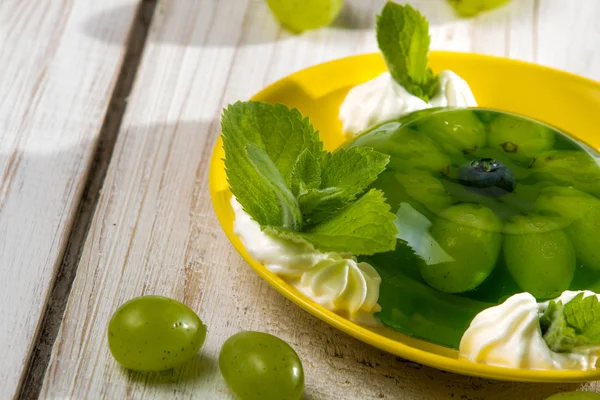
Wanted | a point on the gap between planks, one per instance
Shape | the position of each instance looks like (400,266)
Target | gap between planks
(33,378)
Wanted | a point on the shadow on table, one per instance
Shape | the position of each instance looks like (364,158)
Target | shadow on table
(194,369)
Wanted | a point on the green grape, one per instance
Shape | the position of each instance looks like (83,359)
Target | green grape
(408,148)
(569,167)
(582,214)
(539,255)
(302,15)
(471,235)
(457,130)
(154,333)
(519,138)
(257,365)
(470,8)
(565,202)
(415,115)
(424,189)
(485,116)
(575,396)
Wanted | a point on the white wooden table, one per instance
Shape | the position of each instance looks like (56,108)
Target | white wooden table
(103,184)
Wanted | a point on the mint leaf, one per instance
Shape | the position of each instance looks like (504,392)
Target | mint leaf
(403,38)
(278,172)
(573,326)
(265,168)
(364,227)
(345,175)
(283,134)
(306,173)
(281,131)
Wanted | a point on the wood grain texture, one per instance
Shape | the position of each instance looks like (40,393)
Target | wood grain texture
(154,231)
(56,81)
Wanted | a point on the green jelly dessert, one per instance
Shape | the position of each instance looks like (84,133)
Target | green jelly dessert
(488,204)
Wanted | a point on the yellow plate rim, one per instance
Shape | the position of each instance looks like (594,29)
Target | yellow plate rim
(359,332)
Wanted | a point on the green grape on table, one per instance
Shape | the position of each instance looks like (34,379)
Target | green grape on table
(470,8)
(471,235)
(154,333)
(575,396)
(581,213)
(458,131)
(575,168)
(539,255)
(259,366)
(519,138)
(303,15)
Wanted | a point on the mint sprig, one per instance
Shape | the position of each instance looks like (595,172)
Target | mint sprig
(572,326)
(403,38)
(279,173)
(364,227)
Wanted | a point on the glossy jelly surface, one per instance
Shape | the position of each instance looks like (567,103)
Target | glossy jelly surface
(489,204)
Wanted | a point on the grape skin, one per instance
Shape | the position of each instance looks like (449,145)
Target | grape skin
(154,333)
(302,15)
(259,366)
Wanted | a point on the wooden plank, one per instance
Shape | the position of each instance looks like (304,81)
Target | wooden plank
(60,60)
(154,231)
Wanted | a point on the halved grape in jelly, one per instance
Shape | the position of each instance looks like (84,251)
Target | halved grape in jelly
(581,215)
(520,138)
(463,132)
(471,235)
(408,148)
(539,255)
(569,168)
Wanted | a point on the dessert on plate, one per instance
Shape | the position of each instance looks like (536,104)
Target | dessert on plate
(472,228)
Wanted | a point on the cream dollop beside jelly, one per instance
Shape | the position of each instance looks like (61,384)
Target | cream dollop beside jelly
(283,257)
(382,99)
(345,286)
(340,284)
(509,335)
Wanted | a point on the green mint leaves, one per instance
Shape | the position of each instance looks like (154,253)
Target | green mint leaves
(345,175)
(279,173)
(403,38)
(364,227)
(262,143)
(573,326)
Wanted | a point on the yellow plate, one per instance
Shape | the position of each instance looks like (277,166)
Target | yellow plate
(569,102)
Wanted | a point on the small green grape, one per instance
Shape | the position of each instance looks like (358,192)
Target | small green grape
(154,333)
(259,366)
(456,130)
(407,148)
(470,8)
(424,189)
(471,235)
(580,213)
(539,255)
(410,149)
(575,396)
(569,167)
(485,116)
(302,15)
(519,138)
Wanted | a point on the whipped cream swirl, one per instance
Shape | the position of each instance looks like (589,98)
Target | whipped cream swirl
(509,335)
(382,99)
(339,283)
